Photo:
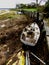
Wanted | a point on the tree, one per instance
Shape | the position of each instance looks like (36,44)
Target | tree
(46,9)
(47,6)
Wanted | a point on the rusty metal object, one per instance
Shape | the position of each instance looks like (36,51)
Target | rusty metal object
(30,34)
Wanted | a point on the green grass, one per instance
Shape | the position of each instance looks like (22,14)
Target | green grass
(13,15)
(30,9)
(8,16)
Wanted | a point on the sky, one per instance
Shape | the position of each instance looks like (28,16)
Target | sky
(12,3)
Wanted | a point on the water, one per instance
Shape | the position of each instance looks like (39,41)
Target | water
(4,8)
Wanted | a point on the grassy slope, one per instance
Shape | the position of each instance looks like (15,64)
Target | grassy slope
(30,9)
(9,15)
(13,15)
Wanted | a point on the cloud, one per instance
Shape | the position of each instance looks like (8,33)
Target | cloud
(7,3)
(12,3)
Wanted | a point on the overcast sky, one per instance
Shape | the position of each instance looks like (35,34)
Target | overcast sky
(12,3)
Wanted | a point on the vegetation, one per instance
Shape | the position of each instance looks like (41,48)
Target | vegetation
(27,7)
(2,11)
(40,8)
(11,14)
(6,16)
(30,9)
(47,20)
(47,6)
(31,5)
(46,9)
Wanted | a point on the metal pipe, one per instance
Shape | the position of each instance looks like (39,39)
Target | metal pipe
(27,58)
(38,58)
